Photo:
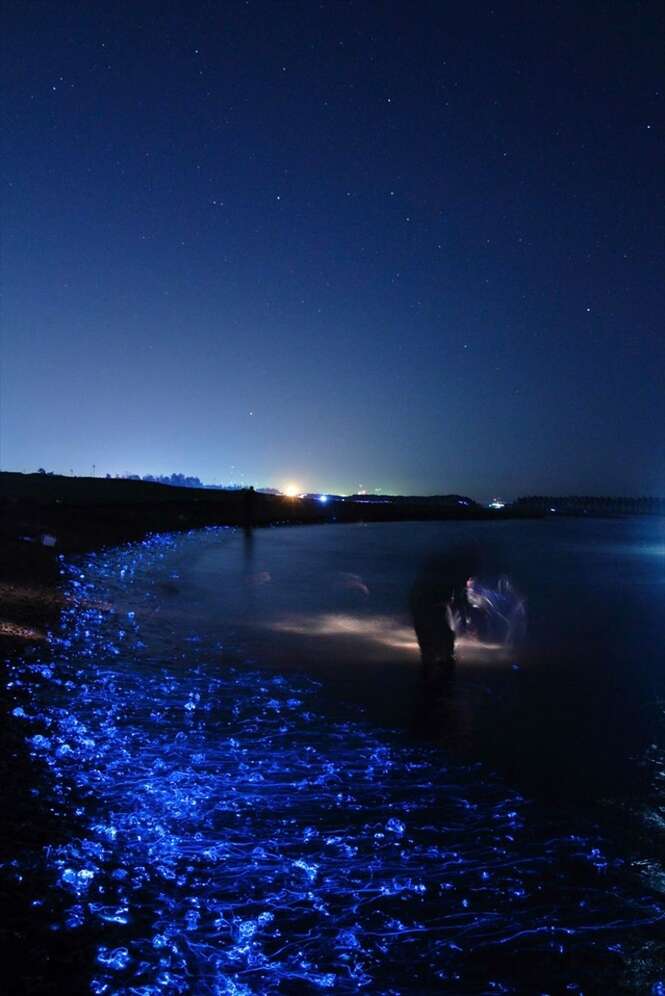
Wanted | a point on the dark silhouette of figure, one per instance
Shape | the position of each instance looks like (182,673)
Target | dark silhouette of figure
(249,496)
(439,607)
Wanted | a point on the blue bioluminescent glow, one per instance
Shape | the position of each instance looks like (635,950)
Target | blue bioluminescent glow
(229,839)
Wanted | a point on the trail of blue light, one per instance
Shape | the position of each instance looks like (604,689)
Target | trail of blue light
(231,841)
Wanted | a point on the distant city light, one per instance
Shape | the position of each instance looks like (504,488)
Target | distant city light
(323,499)
(496,503)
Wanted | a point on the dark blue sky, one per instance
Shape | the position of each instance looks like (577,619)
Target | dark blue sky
(411,246)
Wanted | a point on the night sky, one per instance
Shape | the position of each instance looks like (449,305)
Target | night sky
(415,247)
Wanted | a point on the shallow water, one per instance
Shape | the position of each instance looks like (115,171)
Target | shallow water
(332,602)
(236,826)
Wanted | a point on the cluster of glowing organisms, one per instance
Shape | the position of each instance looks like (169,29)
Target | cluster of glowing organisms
(229,839)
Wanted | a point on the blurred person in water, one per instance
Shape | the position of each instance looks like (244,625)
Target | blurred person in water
(440,607)
(448,601)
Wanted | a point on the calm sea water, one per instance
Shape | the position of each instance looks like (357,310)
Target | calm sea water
(257,791)
(571,716)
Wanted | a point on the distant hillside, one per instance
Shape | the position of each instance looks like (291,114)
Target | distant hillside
(449,501)
(94,490)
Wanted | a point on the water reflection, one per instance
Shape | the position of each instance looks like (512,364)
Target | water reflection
(372,632)
(352,582)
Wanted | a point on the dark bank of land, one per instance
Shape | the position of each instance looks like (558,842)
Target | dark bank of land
(84,512)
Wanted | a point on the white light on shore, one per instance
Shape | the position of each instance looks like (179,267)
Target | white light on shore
(323,499)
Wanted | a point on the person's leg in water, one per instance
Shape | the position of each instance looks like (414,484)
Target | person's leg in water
(440,607)
(436,641)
